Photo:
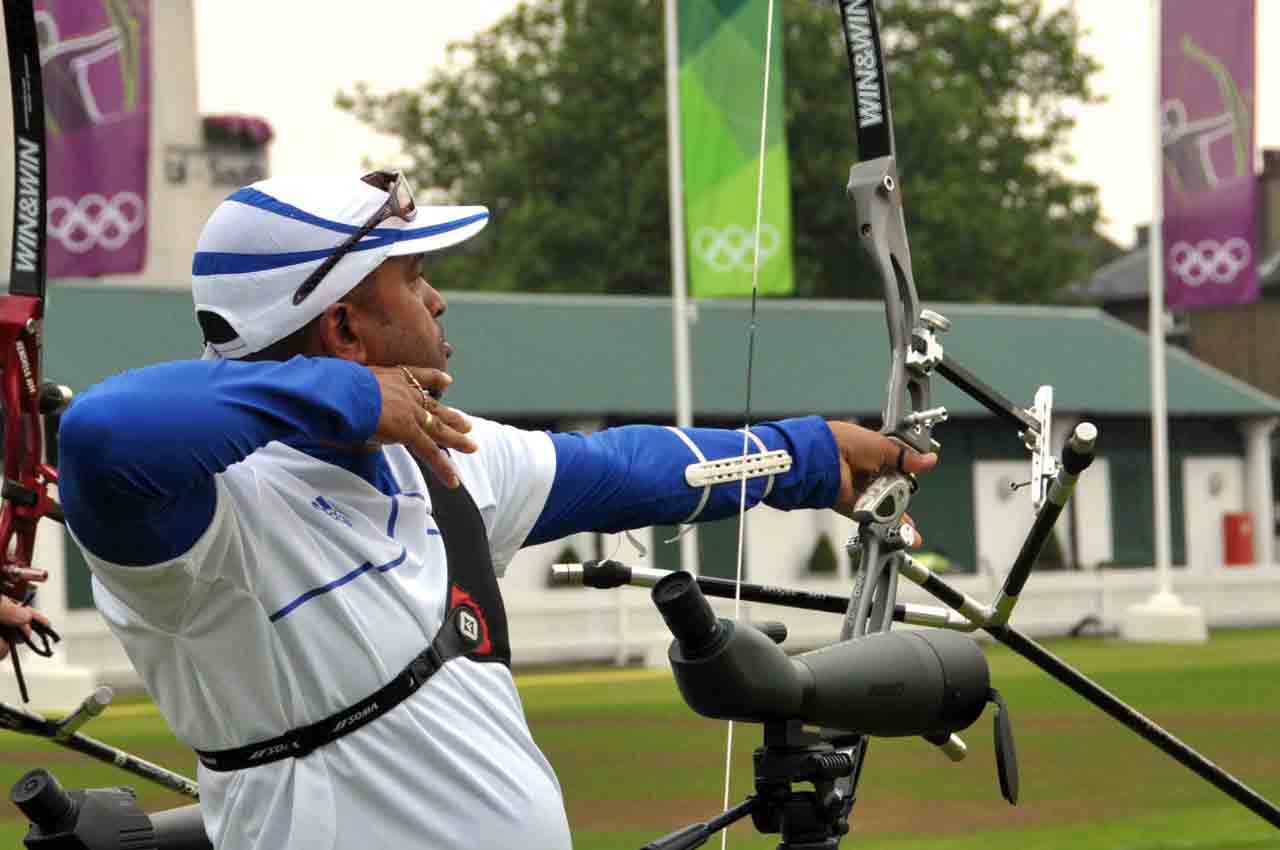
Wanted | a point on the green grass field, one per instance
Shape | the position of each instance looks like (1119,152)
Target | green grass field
(635,763)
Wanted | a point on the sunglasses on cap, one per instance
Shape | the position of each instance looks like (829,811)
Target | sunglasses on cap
(399,205)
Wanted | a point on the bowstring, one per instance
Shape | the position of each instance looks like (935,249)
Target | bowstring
(751,346)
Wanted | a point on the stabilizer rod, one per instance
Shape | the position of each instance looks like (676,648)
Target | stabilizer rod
(30,723)
(1137,721)
(606,574)
(986,395)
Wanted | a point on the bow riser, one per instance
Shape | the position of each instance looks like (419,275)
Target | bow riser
(874,189)
(26,477)
(877,196)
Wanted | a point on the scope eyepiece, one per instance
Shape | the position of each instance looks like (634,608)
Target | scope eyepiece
(687,613)
(40,797)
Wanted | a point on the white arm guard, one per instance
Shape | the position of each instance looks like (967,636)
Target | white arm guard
(707,473)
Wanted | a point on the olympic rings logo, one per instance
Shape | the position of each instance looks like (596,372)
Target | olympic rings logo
(96,222)
(1209,260)
(731,249)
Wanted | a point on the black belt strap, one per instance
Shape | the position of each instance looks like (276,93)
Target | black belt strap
(459,635)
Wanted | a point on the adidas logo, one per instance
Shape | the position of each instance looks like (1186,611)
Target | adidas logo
(325,506)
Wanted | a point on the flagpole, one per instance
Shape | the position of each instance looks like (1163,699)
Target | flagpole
(679,275)
(1162,617)
(1155,319)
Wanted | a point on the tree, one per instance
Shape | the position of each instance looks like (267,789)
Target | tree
(555,118)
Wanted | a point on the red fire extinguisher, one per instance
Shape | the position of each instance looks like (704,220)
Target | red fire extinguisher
(1237,539)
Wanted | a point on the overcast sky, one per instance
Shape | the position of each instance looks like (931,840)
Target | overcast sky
(285,59)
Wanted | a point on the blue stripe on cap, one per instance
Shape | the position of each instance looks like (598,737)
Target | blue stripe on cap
(444,227)
(226,262)
(252,197)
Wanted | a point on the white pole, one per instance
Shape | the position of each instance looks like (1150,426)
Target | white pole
(1162,617)
(679,284)
(1155,300)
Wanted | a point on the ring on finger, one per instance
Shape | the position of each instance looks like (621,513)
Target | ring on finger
(413,382)
(430,421)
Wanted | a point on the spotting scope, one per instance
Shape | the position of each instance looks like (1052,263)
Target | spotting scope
(925,682)
(100,819)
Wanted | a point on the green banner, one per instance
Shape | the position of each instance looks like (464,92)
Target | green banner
(722,46)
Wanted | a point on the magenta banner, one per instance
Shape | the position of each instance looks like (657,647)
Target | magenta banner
(96,58)
(1207,115)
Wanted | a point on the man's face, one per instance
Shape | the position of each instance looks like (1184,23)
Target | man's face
(402,317)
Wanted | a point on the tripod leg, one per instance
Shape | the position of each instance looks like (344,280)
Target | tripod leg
(695,835)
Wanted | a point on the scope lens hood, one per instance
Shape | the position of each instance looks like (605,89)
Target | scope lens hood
(966,678)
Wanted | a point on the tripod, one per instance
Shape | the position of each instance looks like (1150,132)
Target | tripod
(806,820)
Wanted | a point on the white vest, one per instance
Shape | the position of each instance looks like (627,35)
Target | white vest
(309,591)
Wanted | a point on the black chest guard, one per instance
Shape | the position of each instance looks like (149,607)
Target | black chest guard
(473,585)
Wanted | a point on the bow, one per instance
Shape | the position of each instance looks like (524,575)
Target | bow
(875,191)
(25,500)
(880,540)
(726,672)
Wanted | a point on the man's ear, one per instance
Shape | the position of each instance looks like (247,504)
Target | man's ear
(335,335)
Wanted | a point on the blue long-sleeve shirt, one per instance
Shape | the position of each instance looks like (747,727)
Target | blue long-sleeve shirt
(139,452)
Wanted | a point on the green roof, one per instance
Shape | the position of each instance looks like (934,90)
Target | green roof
(564,356)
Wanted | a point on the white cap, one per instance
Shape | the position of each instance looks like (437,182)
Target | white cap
(262,242)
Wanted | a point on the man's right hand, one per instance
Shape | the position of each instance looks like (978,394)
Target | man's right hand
(425,426)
